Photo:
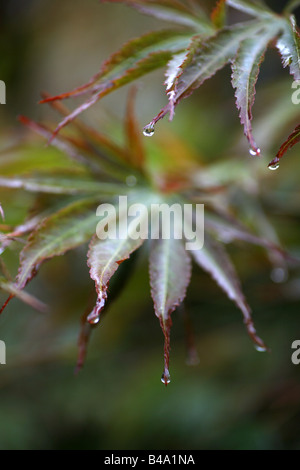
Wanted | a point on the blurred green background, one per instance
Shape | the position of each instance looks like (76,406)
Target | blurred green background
(235,398)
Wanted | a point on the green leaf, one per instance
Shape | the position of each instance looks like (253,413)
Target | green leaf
(170,272)
(214,259)
(110,248)
(245,70)
(135,59)
(292,140)
(289,47)
(170,10)
(62,185)
(26,158)
(252,7)
(218,15)
(131,53)
(204,59)
(60,143)
(95,159)
(68,228)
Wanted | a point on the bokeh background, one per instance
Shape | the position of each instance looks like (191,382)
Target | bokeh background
(235,398)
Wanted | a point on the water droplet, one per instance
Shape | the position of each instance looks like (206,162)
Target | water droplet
(260,348)
(131,180)
(148,130)
(93,318)
(254,152)
(166,378)
(275,166)
(279,275)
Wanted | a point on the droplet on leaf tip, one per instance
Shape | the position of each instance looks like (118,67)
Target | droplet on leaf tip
(166,378)
(148,130)
(274,166)
(254,151)
(93,318)
(260,348)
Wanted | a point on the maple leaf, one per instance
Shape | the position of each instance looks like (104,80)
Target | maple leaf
(75,222)
(194,54)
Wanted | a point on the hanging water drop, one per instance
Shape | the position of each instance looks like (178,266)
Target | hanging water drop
(166,378)
(148,130)
(273,167)
(260,348)
(254,152)
(93,318)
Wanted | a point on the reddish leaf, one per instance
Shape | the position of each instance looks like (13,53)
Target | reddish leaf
(218,15)
(66,229)
(213,259)
(292,140)
(170,272)
(204,58)
(245,70)
(136,58)
(135,145)
(105,255)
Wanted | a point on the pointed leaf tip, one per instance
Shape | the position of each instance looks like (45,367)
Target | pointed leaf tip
(170,272)
(245,70)
(106,253)
(292,140)
(218,15)
(204,58)
(214,259)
